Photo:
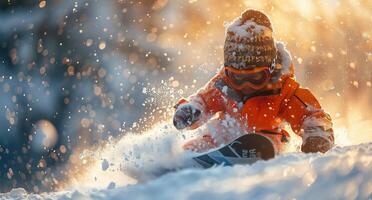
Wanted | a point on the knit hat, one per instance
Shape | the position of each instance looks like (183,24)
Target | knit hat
(249,42)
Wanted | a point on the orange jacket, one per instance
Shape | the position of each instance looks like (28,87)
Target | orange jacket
(265,111)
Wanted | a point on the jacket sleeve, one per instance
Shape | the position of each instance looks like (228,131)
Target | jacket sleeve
(209,100)
(307,118)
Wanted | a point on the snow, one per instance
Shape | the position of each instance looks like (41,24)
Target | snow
(342,173)
(240,30)
(136,158)
(105,165)
(96,64)
(285,56)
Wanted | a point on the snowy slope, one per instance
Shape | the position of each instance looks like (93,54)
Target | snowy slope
(343,173)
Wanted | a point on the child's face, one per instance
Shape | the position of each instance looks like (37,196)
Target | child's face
(253,79)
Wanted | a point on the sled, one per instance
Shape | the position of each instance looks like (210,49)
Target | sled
(246,149)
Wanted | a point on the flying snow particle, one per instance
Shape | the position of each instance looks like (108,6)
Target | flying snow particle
(89,42)
(102,45)
(45,136)
(111,186)
(368,83)
(42,4)
(105,165)
(175,83)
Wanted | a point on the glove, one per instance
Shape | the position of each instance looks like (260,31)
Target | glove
(315,144)
(185,116)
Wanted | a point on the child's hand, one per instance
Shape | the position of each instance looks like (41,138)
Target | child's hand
(185,116)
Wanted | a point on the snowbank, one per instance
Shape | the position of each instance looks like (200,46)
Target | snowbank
(343,173)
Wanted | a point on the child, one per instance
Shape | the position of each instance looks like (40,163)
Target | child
(255,91)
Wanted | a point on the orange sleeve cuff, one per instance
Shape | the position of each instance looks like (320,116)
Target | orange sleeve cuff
(181,101)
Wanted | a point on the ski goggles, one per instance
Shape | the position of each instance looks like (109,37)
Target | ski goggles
(254,78)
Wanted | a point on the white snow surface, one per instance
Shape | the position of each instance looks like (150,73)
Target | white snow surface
(343,173)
